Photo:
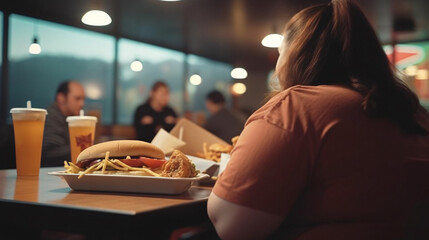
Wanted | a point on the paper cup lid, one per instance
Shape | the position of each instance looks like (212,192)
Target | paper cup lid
(77,118)
(26,110)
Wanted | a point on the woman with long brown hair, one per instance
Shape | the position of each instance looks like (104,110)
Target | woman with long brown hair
(326,157)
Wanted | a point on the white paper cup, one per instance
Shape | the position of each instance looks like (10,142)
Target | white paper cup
(81,133)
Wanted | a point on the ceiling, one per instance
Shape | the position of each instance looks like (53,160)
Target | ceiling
(225,30)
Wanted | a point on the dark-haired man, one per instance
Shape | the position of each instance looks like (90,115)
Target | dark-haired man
(222,122)
(69,100)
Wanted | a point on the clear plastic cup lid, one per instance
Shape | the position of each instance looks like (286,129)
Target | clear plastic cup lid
(26,110)
(78,118)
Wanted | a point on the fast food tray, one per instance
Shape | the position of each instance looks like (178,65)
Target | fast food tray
(128,183)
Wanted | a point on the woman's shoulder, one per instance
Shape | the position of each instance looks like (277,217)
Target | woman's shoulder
(302,101)
(314,92)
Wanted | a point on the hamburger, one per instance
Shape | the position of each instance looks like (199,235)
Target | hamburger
(129,157)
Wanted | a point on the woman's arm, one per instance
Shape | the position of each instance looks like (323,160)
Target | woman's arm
(233,221)
(265,176)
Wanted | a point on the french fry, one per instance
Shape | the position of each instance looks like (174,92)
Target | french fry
(136,169)
(75,167)
(205,149)
(214,151)
(71,167)
(100,165)
(104,164)
(90,169)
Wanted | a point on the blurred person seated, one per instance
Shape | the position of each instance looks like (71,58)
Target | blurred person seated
(69,100)
(331,155)
(7,146)
(223,123)
(155,113)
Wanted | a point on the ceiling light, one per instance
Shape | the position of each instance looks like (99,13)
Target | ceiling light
(35,47)
(195,79)
(170,0)
(422,74)
(93,90)
(239,73)
(272,40)
(96,18)
(239,88)
(136,65)
(411,70)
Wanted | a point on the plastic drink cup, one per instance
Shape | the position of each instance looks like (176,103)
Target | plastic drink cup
(28,127)
(81,131)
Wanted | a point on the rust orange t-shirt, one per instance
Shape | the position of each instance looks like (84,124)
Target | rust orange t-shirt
(312,155)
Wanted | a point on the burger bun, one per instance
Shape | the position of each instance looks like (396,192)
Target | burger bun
(121,148)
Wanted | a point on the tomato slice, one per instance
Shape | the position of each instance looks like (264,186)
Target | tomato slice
(151,162)
(132,162)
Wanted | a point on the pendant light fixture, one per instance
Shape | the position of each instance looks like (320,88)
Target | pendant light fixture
(238,88)
(272,40)
(239,73)
(35,47)
(96,16)
(136,65)
(195,80)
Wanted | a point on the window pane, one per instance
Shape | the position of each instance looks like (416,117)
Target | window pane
(67,53)
(214,75)
(412,59)
(158,64)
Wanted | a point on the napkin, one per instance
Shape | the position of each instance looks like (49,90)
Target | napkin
(166,142)
(224,159)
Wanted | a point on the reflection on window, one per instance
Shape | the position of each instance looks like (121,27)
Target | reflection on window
(412,60)
(67,53)
(214,75)
(156,64)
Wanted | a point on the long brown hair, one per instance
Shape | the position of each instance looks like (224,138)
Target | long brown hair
(335,44)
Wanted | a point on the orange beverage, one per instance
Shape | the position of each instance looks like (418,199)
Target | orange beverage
(28,126)
(82,132)
(81,137)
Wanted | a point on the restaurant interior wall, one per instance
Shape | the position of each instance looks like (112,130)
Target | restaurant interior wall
(89,57)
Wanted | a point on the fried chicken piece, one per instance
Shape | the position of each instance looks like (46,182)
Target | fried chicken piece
(179,165)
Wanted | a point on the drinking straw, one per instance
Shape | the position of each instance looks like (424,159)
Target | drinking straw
(180,133)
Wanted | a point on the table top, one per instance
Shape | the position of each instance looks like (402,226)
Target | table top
(28,196)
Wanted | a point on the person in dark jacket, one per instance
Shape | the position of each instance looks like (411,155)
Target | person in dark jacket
(222,122)
(155,113)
